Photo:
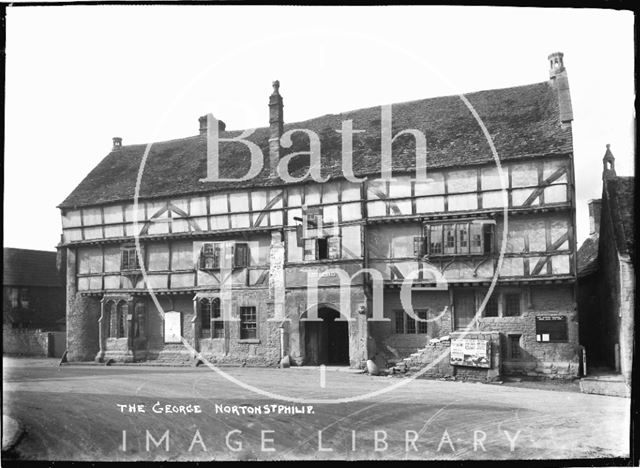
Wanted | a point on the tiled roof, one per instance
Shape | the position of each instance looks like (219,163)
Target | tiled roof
(22,267)
(620,193)
(588,256)
(522,121)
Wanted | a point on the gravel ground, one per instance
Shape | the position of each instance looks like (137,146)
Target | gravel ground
(72,413)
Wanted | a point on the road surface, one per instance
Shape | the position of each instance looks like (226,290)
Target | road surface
(102,413)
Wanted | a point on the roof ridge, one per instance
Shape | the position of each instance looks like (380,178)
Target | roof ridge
(349,111)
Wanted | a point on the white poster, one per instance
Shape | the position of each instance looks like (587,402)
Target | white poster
(172,328)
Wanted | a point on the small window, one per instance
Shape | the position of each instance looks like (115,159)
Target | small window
(435,240)
(491,308)
(322,249)
(218,323)
(140,323)
(487,233)
(514,350)
(476,238)
(205,318)
(248,323)
(129,259)
(210,256)
(463,237)
(111,318)
(399,322)
(449,238)
(241,256)
(408,325)
(210,313)
(511,305)
(119,320)
(24,298)
(422,326)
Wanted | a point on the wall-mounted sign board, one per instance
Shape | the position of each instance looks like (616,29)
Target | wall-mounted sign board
(472,353)
(551,328)
(172,327)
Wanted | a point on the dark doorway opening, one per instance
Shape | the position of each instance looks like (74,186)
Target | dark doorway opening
(327,341)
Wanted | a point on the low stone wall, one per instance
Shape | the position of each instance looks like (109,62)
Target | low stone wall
(436,357)
(24,342)
(543,369)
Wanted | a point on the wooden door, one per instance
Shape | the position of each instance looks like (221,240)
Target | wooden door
(463,308)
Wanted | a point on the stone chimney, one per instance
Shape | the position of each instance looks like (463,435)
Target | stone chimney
(560,81)
(276,123)
(594,216)
(117,143)
(608,164)
(203,125)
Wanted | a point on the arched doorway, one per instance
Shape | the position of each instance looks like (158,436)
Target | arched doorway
(327,341)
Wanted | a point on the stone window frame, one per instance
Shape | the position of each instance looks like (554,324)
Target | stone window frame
(244,322)
(499,295)
(511,343)
(116,317)
(216,327)
(419,328)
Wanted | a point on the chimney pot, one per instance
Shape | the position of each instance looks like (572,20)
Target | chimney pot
(560,81)
(203,125)
(276,124)
(117,142)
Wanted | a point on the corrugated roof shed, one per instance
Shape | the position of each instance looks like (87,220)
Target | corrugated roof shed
(23,267)
(523,121)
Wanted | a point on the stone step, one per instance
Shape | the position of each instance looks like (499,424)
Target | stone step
(605,386)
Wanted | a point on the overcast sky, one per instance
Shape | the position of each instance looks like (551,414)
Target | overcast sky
(77,76)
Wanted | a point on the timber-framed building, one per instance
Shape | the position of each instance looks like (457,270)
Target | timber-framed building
(451,225)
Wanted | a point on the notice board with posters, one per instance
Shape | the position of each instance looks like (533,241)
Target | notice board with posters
(551,328)
(172,327)
(471,353)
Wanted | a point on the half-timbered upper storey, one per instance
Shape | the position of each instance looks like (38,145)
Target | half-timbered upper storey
(454,218)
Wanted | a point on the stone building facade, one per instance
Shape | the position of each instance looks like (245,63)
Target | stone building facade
(606,275)
(312,264)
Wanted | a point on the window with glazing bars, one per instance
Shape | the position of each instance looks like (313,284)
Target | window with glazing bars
(248,322)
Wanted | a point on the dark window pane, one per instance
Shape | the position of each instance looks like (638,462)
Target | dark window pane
(322,249)
(512,305)
(205,318)
(491,308)
(218,323)
(411,324)
(399,321)
(422,326)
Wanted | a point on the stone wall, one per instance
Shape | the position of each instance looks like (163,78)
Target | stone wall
(544,359)
(82,317)
(30,342)
(400,345)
